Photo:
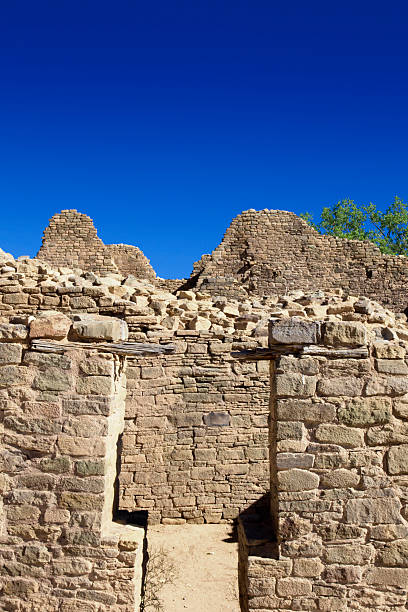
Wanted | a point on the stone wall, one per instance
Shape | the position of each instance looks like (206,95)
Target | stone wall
(196,439)
(130,260)
(71,241)
(61,414)
(265,253)
(339,466)
(195,447)
(272,252)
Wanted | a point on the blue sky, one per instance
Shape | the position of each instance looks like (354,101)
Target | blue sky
(163,120)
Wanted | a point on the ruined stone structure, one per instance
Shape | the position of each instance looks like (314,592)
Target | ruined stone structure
(273,251)
(285,412)
(71,241)
(130,260)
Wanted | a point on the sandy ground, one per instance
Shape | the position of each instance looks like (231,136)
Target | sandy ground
(206,561)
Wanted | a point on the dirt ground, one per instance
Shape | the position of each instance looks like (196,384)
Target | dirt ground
(205,558)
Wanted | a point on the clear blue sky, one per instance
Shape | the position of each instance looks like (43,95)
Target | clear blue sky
(163,120)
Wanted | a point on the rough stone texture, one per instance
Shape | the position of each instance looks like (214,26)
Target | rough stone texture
(71,240)
(337,536)
(60,549)
(199,435)
(272,252)
(130,260)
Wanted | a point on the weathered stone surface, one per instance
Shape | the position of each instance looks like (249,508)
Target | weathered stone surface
(397,459)
(377,510)
(394,554)
(388,350)
(293,430)
(286,461)
(341,478)
(346,385)
(95,385)
(366,411)
(10,332)
(52,379)
(293,587)
(344,333)
(387,576)
(343,574)
(11,375)
(297,480)
(10,353)
(287,410)
(348,554)
(298,385)
(293,331)
(107,329)
(96,366)
(53,325)
(308,568)
(392,366)
(341,435)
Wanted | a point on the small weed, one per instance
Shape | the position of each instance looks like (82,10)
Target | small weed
(160,571)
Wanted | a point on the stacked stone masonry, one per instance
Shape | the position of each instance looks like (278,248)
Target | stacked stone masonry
(338,475)
(273,252)
(71,241)
(264,253)
(309,456)
(61,415)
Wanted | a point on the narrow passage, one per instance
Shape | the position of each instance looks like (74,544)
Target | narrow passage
(206,561)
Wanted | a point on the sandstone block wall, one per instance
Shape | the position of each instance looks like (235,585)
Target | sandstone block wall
(130,260)
(70,240)
(61,415)
(339,465)
(195,446)
(265,253)
(272,252)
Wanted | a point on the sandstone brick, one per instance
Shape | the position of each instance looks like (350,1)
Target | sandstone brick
(348,554)
(295,385)
(56,515)
(366,411)
(336,387)
(388,576)
(81,501)
(53,325)
(347,574)
(293,587)
(341,478)
(53,379)
(96,366)
(293,331)
(11,375)
(341,435)
(392,366)
(388,350)
(10,353)
(308,568)
(397,459)
(378,510)
(297,480)
(344,333)
(311,412)
(286,461)
(95,385)
(71,567)
(108,329)
(394,554)
(10,332)
(77,447)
